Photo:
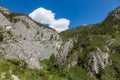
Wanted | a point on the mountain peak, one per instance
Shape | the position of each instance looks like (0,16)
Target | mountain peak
(116,13)
(117,9)
(4,10)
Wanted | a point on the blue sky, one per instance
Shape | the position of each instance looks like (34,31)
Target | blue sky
(79,12)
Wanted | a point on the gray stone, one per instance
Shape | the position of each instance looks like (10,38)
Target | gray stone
(29,41)
(64,51)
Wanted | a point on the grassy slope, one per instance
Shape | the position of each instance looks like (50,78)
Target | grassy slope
(92,36)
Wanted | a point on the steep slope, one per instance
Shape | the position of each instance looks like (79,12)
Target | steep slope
(26,39)
(95,48)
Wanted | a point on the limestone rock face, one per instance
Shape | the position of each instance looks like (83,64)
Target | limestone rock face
(27,40)
(3,20)
(116,13)
(99,59)
(64,51)
(4,10)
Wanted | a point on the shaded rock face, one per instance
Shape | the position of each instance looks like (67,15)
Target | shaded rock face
(28,41)
(71,63)
(64,51)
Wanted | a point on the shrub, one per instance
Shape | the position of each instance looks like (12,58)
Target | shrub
(15,62)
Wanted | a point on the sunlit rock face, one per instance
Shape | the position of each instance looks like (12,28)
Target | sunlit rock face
(27,40)
(64,51)
(99,59)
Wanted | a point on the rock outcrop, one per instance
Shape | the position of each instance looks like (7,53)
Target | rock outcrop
(99,58)
(3,20)
(64,51)
(4,10)
(116,13)
(15,77)
(27,40)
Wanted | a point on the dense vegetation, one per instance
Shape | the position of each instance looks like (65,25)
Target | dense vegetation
(49,72)
(92,36)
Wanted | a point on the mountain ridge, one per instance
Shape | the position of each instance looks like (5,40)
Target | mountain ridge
(28,32)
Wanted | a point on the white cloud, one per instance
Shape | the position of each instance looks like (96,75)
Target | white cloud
(42,15)
(60,24)
(45,16)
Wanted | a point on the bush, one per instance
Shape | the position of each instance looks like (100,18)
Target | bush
(13,61)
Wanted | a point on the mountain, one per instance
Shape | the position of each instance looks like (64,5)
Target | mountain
(96,48)
(26,39)
(33,51)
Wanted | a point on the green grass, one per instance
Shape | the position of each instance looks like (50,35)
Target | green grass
(112,72)
(27,74)
(77,73)
(99,40)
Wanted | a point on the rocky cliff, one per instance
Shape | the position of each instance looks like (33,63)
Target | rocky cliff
(26,39)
